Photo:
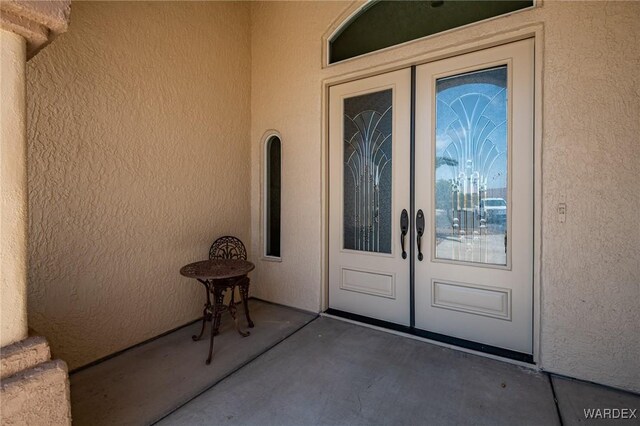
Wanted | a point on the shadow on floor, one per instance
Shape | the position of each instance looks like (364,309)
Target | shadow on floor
(332,372)
(337,373)
(328,372)
(147,382)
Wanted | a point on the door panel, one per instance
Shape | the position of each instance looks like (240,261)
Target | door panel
(474,182)
(369,153)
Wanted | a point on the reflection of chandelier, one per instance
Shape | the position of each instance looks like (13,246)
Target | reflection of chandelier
(471,155)
(467,189)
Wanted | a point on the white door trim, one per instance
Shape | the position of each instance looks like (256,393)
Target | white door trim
(387,63)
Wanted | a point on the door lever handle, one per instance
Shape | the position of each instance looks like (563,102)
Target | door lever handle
(404,228)
(420,229)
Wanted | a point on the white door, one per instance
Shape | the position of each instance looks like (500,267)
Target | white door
(474,187)
(369,172)
(473,198)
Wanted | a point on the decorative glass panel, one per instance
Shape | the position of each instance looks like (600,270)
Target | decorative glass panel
(367,172)
(471,165)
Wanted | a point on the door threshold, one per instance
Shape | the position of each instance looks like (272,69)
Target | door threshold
(435,338)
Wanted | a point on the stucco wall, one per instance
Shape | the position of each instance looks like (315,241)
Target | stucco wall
(285,96)
(33,389)
(591,86)
(138,145)
(37,396)
(13,190)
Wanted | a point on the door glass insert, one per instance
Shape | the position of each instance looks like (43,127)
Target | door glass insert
(367,172)
(471,165)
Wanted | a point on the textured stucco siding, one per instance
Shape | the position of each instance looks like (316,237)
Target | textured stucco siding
(590,279)
(591,154)
(13,190)
(285,96)
(138,147)
(23,355)
(33,389)
(37,396)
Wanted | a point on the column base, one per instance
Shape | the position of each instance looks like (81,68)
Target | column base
(34,388)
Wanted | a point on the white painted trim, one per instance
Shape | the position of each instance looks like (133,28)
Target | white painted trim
(324,197)
(263,195)
(336,26)
(538,80)
(514,33)
(352,14)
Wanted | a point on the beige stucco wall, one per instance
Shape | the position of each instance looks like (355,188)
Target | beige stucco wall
(285,96)
(37,396)
(138,144)
(23,355)
(34,390)
(591,86)
(13,190)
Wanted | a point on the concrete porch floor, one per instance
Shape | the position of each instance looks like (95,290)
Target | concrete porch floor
(326,372)
(146,382)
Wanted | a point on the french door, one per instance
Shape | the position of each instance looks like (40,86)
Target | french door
(369,188)
(470,278)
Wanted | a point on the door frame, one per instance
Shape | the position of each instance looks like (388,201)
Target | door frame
(358,69)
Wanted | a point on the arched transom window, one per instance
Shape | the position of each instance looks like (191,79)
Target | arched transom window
(381,24)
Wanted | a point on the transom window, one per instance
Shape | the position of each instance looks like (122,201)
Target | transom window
(381,24)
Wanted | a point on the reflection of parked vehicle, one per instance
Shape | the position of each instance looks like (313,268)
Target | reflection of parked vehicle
(493,210)
(443,221)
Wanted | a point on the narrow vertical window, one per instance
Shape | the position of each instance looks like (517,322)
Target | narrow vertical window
(273,154)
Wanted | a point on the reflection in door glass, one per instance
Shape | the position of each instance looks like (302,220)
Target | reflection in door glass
(471,185)
(367,172)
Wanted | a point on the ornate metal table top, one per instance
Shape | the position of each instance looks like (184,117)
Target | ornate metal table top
(217,269)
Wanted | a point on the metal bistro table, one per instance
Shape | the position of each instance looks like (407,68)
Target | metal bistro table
(219,275)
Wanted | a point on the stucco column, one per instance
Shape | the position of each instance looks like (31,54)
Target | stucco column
(25,28)
(13,189)
(32,386)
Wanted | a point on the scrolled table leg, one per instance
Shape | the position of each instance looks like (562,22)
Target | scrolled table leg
(244,292)
(206,315)
(206,312)
(218,307)
(232,311)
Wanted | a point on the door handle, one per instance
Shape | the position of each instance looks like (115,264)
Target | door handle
(420,229)
(505,240)
(404,228)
